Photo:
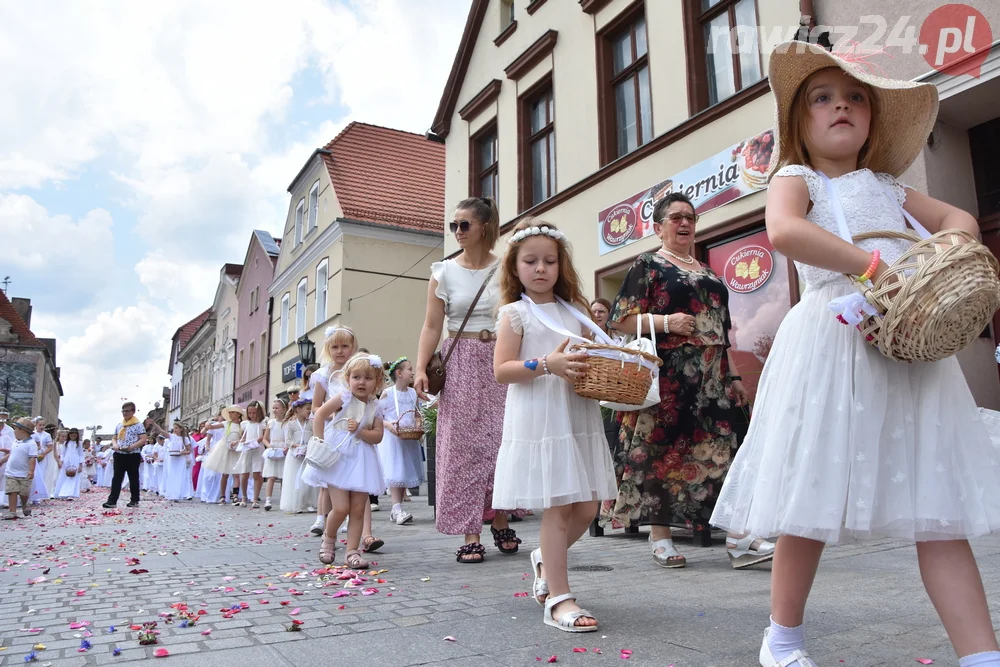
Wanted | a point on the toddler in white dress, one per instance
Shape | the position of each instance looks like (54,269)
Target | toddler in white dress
(402,461)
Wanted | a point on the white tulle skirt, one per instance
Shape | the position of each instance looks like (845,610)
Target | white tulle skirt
(357,469)
(553,451)
(846,444)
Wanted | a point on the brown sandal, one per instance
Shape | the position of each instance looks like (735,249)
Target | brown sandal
(371,544)
(355,561)
(327,550)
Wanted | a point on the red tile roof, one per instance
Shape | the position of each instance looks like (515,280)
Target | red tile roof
(388,176)
(17,325)
(186,330)
(233,270)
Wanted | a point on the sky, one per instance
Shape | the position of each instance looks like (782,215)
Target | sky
(141,142)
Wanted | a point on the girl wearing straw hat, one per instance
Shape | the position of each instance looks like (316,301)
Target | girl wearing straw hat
(223,457)
(846,443)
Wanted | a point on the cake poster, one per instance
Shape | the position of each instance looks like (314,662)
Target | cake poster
(735,172)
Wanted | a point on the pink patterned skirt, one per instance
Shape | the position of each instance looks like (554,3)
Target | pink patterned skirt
(469,431)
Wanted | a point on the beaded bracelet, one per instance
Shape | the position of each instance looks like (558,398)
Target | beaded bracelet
(666,324)
(867,275)
(545,365)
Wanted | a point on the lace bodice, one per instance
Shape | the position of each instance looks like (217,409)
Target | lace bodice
(867,207)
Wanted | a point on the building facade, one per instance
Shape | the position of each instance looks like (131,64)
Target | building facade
(253,326)
(226,309)
(29,377)
(680,102)
(177,344)
(365,221)
(196,385)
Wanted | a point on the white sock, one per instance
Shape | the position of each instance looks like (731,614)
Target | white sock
(784,641)
(268,500)
(980,659)
(397,507)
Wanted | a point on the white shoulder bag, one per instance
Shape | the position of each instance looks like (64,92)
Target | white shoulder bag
(640,344)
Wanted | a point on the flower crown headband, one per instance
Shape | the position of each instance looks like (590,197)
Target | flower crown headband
(332,330)
(536,231)
(396,363)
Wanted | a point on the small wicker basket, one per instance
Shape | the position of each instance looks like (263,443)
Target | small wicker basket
(414,432)
(618,380)
(935,299)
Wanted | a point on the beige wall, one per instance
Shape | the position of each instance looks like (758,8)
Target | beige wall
(362,258)
(329,210)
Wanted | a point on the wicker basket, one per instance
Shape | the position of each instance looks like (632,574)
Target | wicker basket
(414,432)
(321,454)
(619,380)
(935,299)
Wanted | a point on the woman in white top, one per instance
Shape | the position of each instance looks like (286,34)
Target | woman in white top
(251,448)
(471,404)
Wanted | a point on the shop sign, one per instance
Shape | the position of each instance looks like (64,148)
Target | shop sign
(288,369)
(748,269)
(732,173)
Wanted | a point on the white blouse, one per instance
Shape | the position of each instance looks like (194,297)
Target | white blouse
(457,287)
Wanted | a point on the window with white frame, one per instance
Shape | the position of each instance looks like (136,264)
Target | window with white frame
(284,320)
(301,300)
(298,221)
(313,206)
(322,275)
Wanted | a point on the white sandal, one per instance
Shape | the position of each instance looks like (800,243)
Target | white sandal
(663,559)
(567,622)
(796,659)
(540,587)
(742,552)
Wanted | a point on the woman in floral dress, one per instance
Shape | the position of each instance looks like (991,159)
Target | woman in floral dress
(674,456)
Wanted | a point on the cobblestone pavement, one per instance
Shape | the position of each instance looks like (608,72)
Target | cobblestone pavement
(73,571)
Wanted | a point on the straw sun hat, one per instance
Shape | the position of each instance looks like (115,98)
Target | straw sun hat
(906,109)
(232,408)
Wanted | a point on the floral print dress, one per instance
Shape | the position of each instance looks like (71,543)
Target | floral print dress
(674,456)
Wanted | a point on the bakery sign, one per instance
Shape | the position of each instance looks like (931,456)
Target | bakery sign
(748,269)
(732,173)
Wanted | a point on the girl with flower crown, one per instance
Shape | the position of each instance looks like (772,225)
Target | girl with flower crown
(553,455)
(350,422)
(846,443)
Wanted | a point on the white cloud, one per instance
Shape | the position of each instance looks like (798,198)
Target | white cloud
(67,258)
(186,105)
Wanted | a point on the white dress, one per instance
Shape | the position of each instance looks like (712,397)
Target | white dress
(553,450)
(358,468)
(274,455)
(402,463)
(40,490)
(847,444)
(251,449)
(296,496)
(6,442)
(72,457)
(175,469)
(223,457)
(208,479)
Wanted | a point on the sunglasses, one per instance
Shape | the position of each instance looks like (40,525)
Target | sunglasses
(678,217)
(464,225)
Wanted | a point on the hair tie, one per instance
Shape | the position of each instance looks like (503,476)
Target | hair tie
(333,329)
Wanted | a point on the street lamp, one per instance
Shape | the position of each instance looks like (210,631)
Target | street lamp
(307,350)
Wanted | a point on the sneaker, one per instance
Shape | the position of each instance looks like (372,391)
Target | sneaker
(9,516)
(319,526)
(26,510)
(109,506)
(375,507)
(134,503)
(343,527)
(400,518)
(267,506)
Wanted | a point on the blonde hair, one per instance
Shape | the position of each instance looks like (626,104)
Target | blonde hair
(340,335)
(798,131)
(363,362)
(567,285)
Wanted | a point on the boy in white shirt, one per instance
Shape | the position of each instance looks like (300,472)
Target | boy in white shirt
(20,467)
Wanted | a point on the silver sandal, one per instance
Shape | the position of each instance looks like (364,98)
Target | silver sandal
(670,558)
(540,587)
(567,622)
(743,553)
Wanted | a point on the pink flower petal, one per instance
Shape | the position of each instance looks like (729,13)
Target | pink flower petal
(925,661)
(449,638)
(579,650)
(552,659)
(161,653)
(294,612)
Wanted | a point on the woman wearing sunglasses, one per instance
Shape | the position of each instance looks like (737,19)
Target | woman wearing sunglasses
(471,404)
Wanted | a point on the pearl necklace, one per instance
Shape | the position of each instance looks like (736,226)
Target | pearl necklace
(686,260)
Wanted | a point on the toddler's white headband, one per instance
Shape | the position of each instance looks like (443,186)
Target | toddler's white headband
(332,330)
(535,231)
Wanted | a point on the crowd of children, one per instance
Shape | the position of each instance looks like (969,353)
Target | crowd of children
(871,453)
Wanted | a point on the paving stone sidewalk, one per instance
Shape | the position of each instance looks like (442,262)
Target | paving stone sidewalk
(75,563)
